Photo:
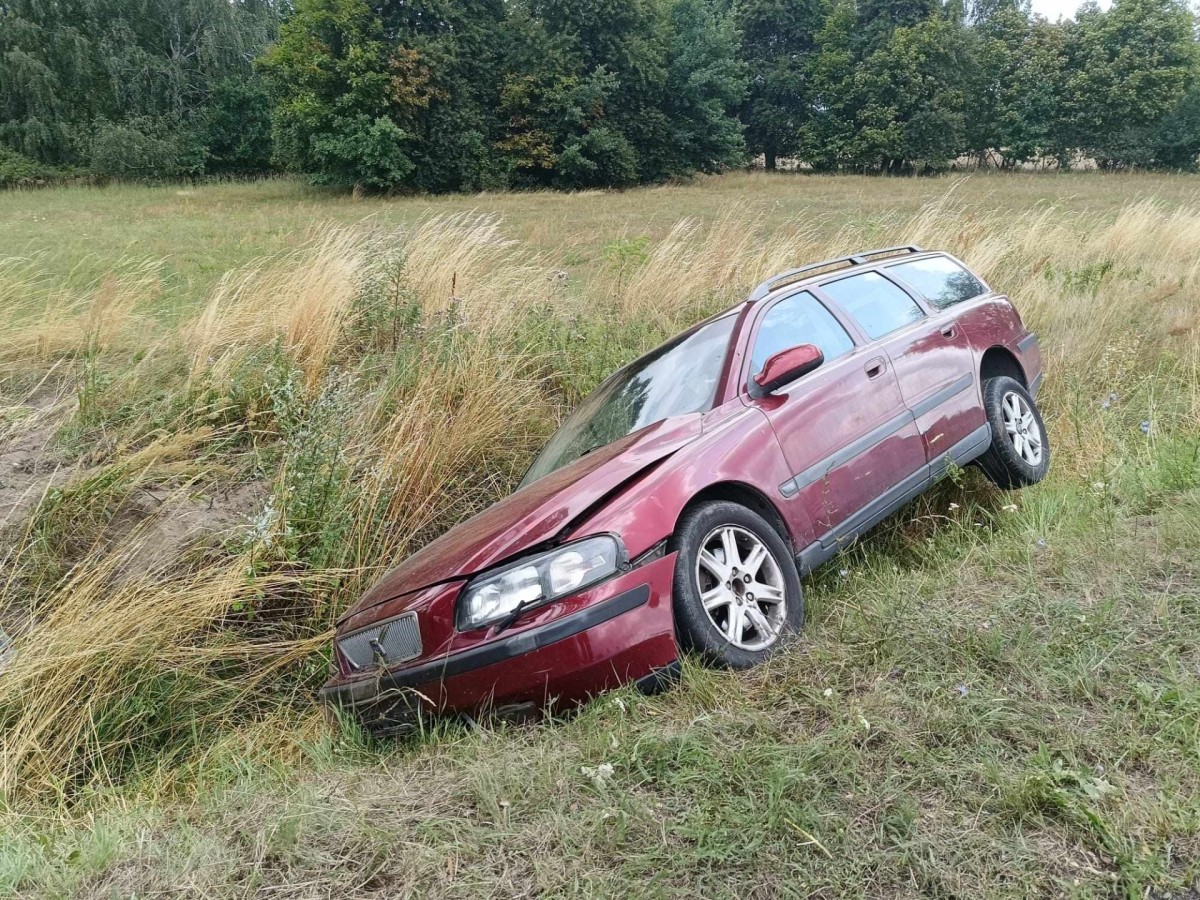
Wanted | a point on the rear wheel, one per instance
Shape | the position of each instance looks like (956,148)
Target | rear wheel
(737,593)
(1020,452)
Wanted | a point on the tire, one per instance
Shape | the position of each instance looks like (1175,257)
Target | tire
(732,636)
(1020,451)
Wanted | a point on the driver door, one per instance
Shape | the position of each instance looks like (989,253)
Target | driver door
(845,431)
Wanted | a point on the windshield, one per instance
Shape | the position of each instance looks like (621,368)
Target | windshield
(676,379)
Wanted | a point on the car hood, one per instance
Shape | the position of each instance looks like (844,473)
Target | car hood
(533,515)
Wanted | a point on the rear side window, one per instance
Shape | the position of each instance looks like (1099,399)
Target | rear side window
(875,303)
(941,281)
(799,319)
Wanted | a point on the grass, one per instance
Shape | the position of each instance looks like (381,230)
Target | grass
(74,237)
(206,456)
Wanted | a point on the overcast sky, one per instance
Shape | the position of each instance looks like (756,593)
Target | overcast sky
(1055,9)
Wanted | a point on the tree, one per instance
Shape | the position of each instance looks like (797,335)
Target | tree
(911,109)
(779,38)
(381,95)
(1126,70)
(996,45)
(827,137)
(79,77)
(706,82)
(610,93)
(549,105)
(1034,128)
(626,42)
(331,77)
(900,108)
(879,19)
(237,127)
(1175,141)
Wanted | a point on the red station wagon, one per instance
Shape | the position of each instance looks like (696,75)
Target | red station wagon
(678,507)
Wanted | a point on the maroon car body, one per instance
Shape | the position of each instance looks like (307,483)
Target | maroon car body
(823,459)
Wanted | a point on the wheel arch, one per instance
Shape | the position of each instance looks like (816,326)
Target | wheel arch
(998,361)
(743,494)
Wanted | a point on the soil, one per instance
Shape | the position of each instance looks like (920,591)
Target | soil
(173,520)
(27,468)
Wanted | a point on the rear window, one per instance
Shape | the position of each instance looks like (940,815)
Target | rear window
(875,303)
(941,281)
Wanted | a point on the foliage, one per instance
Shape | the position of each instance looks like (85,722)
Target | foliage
(80,77)
(611,92)
(1127,69)
(778,37)
(238,127)
(19,171)
(372,95)
(437,95)
(141,148)
(706,83)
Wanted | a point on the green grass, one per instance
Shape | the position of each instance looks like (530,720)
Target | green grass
(198,233)
(994,695)
(988,702)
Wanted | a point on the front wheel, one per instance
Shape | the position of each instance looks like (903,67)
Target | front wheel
(1020,452)
(737,592)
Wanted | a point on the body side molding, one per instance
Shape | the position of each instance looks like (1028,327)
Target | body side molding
(825,547)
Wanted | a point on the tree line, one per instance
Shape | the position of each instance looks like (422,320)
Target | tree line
(450,95)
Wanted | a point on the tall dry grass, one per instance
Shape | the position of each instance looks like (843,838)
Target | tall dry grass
(385,385)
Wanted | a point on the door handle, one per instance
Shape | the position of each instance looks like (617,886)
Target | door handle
(875,367)
(949,332)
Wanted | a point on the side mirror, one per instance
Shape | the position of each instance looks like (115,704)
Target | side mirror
(784,367)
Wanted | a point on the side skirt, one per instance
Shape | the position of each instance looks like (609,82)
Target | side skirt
(845,534)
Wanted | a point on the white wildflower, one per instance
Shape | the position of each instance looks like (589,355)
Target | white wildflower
(600,774)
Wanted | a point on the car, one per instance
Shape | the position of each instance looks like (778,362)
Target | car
(677,508)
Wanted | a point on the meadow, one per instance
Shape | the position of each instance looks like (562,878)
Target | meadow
(224,409)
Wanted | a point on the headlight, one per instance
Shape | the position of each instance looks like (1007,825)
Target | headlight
(539,579)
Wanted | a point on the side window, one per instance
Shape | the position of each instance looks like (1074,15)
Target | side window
(941,281)
(799,319)
(875,303)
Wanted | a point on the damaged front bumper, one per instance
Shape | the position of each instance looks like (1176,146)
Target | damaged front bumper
(617,632)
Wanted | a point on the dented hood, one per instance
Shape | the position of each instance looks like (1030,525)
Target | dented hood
(533,515)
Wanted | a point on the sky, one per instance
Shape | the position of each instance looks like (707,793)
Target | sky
(1055,9)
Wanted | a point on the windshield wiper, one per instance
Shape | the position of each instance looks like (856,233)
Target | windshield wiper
(511,619)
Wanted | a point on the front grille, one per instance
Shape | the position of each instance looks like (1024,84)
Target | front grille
(385,644)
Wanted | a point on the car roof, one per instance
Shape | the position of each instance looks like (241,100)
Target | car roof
(799,278)
(816,273)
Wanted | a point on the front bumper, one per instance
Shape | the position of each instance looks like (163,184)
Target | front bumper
(623,631)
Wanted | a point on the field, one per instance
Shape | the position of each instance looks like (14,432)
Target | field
(225,408)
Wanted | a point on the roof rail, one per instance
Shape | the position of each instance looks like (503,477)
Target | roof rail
(856,259)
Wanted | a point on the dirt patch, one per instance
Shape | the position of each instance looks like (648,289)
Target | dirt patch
(168,519)
(171,524)
(27,466)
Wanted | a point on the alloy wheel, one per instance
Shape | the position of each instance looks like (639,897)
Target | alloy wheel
(1023,429)
(742,588)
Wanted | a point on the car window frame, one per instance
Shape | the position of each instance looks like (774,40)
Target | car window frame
(919,296)
(927,312)
(857,338)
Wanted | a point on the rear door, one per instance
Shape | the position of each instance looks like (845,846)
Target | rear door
(943,381)
(931,355)
(845,431)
